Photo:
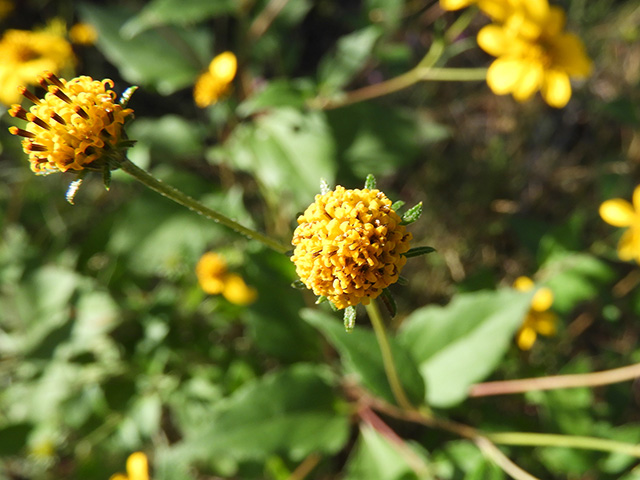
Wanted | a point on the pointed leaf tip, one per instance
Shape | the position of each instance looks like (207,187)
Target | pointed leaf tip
(370,182)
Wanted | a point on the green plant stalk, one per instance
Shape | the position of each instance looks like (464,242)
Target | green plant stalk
(387,357)
(567,441)
(192,204)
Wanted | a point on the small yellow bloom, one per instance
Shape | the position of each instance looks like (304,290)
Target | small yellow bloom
(137,468)
(539,319)
(214,279)
(25,55)
(349,246)
(534,53)
(620,213)
(216,81)
(83,34)
(76,126)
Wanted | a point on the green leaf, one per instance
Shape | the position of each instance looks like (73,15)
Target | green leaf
(176,12)
(370,182)
(395,206)
(461,343)
(575,277)
(412,214)
(389,302)
(287,151)
(417,251)
(349,319)
(376,458)
(293,411)
(183,53)
(374,138)
(352,53)
(278,93)
(361,356)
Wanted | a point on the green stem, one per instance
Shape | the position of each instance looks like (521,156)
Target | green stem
(387,356)
(192,204)
(567,441)
(452,74)
(492,452)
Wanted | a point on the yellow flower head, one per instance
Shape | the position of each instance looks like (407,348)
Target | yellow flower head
(349,246)
(214,279)
(25,55)
(620,213)
(137,468)
(75,126)
(83,34)
(215,82)
(539,319)
(534,53)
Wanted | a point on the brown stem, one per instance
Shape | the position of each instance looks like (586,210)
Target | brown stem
(595,379)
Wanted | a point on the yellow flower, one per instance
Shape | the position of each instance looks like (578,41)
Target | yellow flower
(349,246)
(25,55)
(215,82)
(620,213)
(137,468)
(534,53)
(76,126)
(214,279)
(83,34)
(539,319)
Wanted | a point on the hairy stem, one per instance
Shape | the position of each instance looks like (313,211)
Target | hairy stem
(387,357)
(192,204)
(594,379)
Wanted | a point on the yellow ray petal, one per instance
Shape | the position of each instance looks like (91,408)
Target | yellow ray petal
(529,83)
(629,245)
(636,199)
(542,300)
(503,75)
(523,284)
(454,4)
(138,466)
(493,40)
(526,338)
(617,212)
(546,324)
(556,88)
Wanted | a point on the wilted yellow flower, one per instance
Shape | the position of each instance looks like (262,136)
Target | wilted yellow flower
(620,213)
(215,82)
(349,246)
(76,126)
(534,53)
(214,279)
(25,55)
(539,319)
(83,34)
(137,468)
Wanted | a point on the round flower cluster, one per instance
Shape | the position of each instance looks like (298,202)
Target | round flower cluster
(349,246)
(77,123)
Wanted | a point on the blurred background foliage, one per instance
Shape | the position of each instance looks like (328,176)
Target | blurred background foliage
(108,345)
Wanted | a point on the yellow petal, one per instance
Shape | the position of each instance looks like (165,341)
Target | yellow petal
(542,299)
(224,67)
(529,82)
(569,54)
(636,199)
(496,9)
(526,338)
(629,245)
(617,212)
(523,284)
(118,476)
(138,466)
(454,4)
(555,20)
(503,75)
(545,324)
(492,39)
(237,292)
(556,88)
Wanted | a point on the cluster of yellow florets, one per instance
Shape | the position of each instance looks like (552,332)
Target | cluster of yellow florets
(349,246)
(73,126)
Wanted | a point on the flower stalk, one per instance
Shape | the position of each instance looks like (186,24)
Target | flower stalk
(192,204)
(387,357)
